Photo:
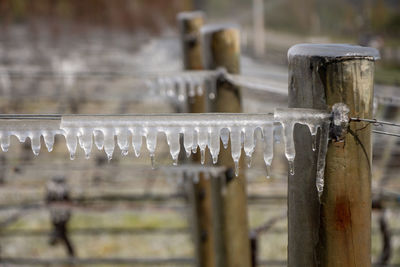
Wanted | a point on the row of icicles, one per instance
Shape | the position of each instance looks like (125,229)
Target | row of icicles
(198,131)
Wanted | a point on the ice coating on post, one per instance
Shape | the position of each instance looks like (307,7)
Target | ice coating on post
(314,119)
(333,51)
(32,129)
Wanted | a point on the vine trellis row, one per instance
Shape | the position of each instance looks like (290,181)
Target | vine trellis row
(184,84)
(244,131)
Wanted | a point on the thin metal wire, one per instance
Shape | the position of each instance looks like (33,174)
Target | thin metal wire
(30,116)
(375,121)
(386,133)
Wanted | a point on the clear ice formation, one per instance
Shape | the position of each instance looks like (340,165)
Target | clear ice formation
(198,130)
(191,83)
(184,84)
(33,129)
(193,171)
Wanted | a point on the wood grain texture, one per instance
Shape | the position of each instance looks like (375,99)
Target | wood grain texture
(222,49)
(202,221)
(337,230)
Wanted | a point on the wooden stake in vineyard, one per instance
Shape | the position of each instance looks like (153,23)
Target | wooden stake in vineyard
(221,48)
(335,230)
(200,194)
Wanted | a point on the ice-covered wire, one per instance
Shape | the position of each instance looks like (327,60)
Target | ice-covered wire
(386,133)
(376,122)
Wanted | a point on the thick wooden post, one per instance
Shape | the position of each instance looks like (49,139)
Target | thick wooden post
(337,230)
(221,48)
(189,26)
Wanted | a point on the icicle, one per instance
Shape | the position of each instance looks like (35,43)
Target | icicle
(249,144)
(85,141)
(323,148)
(122,140)
(151,142)
(137,141)
(182,90)
(173,142)
(109,143)
(49,140)
(236,147)
(72,143)
(5,143)
(236,167)
(188,141)
(212,93)
(195,141)
(200,89)
(98,139)
(288,118)
(290,152)
(248,161)
(192,89)
(314,142)
(214,143)
(225,137)
(268,171)
(202,134)
(268,133)
(291,167)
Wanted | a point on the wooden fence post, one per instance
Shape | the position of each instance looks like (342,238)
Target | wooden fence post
(337,230)
(200,191)
(221,48)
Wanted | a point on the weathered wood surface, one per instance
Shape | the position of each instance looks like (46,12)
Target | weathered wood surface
(221,48)
(337,230)
(200,192)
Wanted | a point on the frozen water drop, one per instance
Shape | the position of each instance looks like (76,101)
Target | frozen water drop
(314,142)
(202,156)
(291,167)
(248,161)
(268,171)
(175,161)
(215,159)
(236,168)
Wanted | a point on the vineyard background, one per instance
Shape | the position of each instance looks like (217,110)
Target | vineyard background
(123,209)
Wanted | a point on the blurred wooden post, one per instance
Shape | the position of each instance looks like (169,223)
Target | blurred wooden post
(337,230)
(221,48)
(200,192)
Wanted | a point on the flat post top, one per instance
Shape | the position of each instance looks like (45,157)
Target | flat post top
(333,51)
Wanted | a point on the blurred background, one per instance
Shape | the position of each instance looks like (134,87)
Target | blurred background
(122,212)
